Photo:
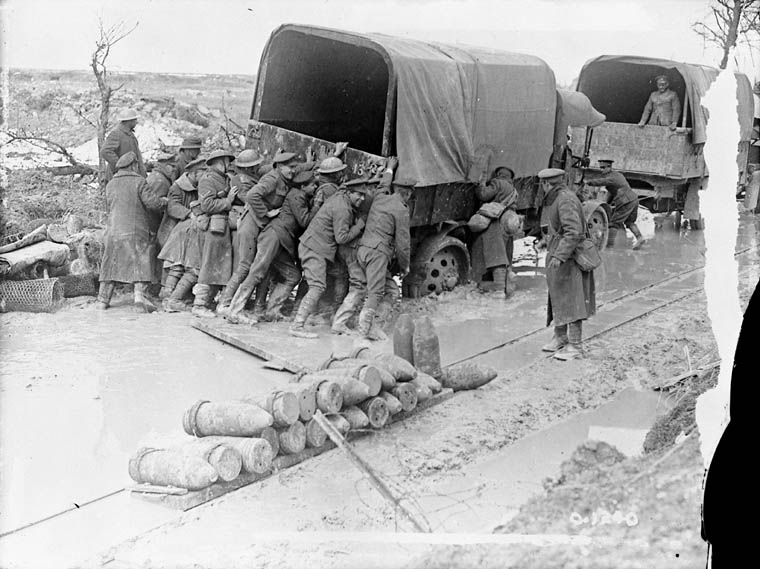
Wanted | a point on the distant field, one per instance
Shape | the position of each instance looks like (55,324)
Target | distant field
(233,92)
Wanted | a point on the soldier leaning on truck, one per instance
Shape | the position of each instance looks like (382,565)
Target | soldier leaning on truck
(276,249)
(663,107)
(572,297)
(624,201)
(333,225)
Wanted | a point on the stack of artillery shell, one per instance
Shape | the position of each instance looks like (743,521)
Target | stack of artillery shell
(230,418)
(171,468)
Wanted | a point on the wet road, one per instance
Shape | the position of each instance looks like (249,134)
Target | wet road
(80,391)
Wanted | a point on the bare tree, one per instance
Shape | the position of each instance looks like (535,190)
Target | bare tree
(732,22)
(109,37)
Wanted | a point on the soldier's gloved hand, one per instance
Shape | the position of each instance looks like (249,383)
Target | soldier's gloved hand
(392,163)
(554,263)
(273,213)
(232,195)
(360,223)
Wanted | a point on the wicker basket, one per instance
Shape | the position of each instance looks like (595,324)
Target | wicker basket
(37,295)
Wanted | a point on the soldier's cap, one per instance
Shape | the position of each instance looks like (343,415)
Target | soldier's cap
(605,161)
(248,159)
(216,154)
(191,142)
(127,115)
(195,164)
(126,160)
(302,178)
(665,77)
(507,168)
(283,157)
(360,185)
(164,157)
(550,173)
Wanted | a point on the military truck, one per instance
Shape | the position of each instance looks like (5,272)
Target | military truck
(666,168)
(450,114)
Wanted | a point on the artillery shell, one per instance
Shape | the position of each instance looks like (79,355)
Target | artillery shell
(401,369)
(393,404)
(292,438)
(467,375)
(282,405)
(429,381)
(232,418)
(171,468)
(340,424)
(224,458)
(354,391)
(271,436)
(427,352)
(355,417)
(377,412)
(306,393)
(423,391)
(406,394)
(256,453)
(315,435)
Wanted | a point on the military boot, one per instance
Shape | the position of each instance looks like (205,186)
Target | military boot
(172,279)
(499,282)
(639,238)
(345,311)
(142,303)
(308,303)
(511,283)
(260,298)
(174,303)
(611,234)
(366,326)
(105,292)
(573,349)
(277,298)
(200,308)
(559,340)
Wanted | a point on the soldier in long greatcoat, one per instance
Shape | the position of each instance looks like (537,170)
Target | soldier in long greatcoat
(572,296)
(129,253)
(216,259)
(121,140)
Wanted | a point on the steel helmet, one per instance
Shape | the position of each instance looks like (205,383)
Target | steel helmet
(331,165)
(248,159)
(127,115)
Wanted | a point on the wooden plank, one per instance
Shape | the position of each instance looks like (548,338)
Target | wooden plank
(194,498)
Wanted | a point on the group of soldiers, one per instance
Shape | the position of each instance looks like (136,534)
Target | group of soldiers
(244,230)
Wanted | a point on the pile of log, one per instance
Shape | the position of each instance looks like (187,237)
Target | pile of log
(52,262)
(359,392)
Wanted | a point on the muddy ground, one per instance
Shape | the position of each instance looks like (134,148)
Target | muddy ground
(452,463)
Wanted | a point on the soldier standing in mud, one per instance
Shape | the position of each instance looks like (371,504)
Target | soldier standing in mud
(216,258)
(333,225)
(159,181)
(189,150)
(624,201)
(121,140)
(572,297)
(129,253)
(663,107)
(182,225)
(276,249)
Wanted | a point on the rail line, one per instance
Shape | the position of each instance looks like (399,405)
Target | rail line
(632,293)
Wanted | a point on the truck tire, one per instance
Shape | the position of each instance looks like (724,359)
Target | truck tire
(597,221)
(440,263)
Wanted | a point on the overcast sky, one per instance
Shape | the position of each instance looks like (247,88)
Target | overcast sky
(227,36)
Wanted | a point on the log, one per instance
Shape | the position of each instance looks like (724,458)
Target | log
(393,404)
(281,405)
(427,352)
(225,459)
(429,381)
(292,438)
(467,375)
(163,467)
(271,436)
(307,399)
(256,453)
(230,418)
(400,368)
(21,261)
(406,394)
(39,234)
(403,338)
(377,412)
(315,435)
(356,417)
(423,391)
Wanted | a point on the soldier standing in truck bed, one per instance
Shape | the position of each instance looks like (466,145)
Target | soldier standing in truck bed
(333,225)
(276,248)
(663,107)
(624,201)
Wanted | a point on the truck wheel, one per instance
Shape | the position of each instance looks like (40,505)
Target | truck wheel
(678,220)
(439,265)
(598,227)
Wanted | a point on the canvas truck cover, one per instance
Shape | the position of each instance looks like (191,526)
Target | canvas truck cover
(574,109)
(619,69)
(454,104)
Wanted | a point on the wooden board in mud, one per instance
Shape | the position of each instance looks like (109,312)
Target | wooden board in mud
(272,342)
(195,498)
